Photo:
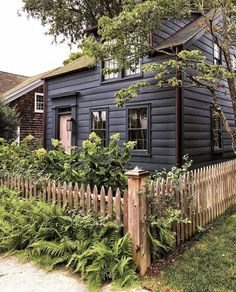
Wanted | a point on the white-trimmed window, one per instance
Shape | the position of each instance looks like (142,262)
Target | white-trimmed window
(110,63)
(217,55)
(136,67)
(38,103)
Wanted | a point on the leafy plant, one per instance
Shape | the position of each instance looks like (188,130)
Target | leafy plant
(46,234)
(92,164)
(163,215)
(9,120)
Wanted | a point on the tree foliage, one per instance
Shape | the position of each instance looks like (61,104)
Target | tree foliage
(68,18)
(72,57)
(131,31)
(9,119)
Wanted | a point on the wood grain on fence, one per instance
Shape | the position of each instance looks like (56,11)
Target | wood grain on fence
(203,195)
(111,204)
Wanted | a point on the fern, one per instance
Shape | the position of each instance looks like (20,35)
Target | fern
(45,234)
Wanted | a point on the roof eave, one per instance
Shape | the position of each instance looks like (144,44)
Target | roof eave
(67,73)
(18,93)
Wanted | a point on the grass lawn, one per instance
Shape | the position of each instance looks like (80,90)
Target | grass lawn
(209,265)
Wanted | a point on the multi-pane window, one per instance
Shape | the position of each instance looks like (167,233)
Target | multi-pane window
(135,69)
(217,132)
(217,55)
(38,103)
(109,63)
(99,124)
(138,127)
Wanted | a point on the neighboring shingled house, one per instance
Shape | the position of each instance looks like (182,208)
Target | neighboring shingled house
(28,98)
(9,80)
(166,123)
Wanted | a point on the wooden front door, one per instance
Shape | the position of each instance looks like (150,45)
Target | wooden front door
(64,134)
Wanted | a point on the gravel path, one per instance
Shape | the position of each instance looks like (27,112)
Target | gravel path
(25,277)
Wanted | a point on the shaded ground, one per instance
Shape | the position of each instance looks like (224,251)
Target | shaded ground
(209,265)
(25,277)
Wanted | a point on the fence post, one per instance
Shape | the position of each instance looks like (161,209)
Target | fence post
(137,213)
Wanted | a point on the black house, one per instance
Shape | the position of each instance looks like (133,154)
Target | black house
(166,123)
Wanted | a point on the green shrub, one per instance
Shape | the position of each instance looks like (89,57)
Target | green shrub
(9,120)
(92,164)
(46,234)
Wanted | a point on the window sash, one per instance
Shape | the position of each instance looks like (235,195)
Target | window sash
(110,64)
(217,133)
(39,103)
(99,126)
(217,55)
(138,127)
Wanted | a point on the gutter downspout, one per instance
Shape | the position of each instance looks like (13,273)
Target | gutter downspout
(179,117)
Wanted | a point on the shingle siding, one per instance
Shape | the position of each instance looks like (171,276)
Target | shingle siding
(31,123)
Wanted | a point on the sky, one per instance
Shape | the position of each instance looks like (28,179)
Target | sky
(24,47)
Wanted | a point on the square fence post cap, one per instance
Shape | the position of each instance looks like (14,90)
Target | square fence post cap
(136,172)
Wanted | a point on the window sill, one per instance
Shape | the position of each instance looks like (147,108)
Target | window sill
(119,79)
(143,153)
(220,151)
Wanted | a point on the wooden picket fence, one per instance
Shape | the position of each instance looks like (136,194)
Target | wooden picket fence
(203,195)
(112,204)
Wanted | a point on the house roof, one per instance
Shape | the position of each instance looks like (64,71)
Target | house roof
(82,63)
(188,32)
(9,80)
(27,85)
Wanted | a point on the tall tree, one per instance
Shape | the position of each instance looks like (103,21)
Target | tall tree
(130,32)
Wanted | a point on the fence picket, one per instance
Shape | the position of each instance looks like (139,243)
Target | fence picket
(118,206)
(64,194)
(103,202)
(76,196)
(59,194)
(110,203)
(95,201)
(88,199)
(70,195)
(125,211)
(82,196)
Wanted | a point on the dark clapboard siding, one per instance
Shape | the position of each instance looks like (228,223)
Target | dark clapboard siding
(197,118)
(95,94)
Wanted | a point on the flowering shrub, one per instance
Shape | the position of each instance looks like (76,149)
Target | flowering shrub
(91,164)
